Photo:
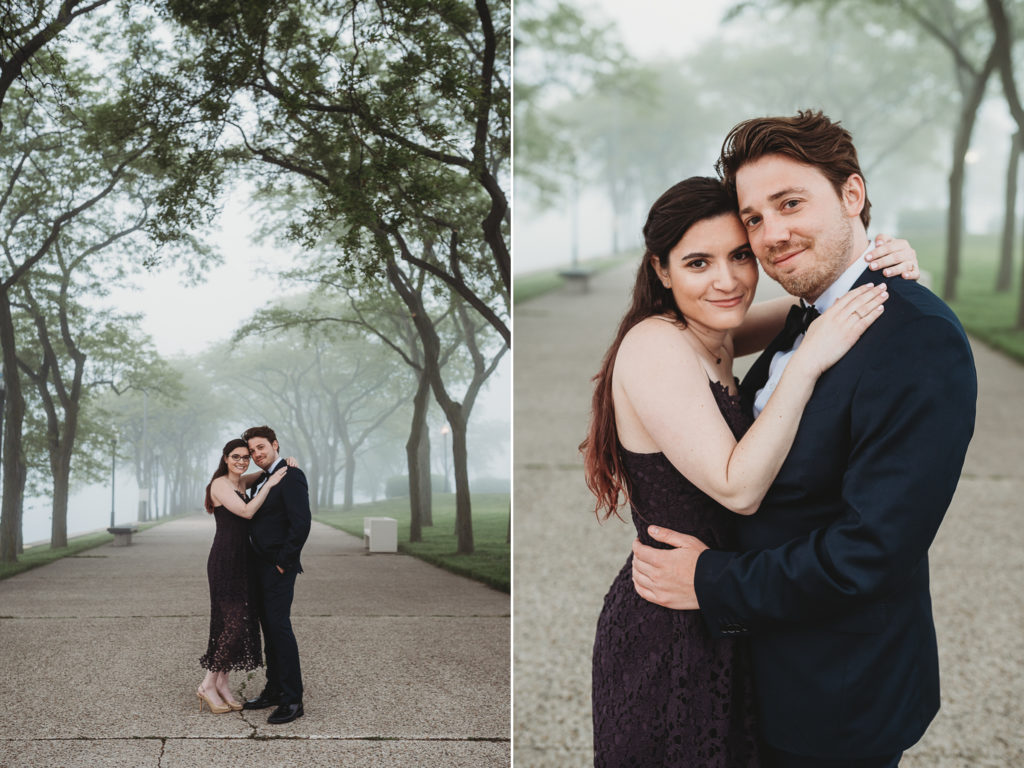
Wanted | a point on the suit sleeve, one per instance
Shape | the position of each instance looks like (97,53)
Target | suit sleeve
(295,500)
(912,416)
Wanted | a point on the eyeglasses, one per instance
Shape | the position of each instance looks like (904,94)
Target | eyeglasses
(236,457)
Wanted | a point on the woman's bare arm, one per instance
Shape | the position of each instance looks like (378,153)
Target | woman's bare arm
(251,479)
(660,382)
(223,494)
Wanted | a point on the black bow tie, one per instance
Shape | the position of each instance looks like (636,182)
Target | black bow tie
(797,321)
(261,479)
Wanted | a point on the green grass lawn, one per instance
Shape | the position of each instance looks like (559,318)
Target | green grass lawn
(534,284)
(490,560)
(987,315)
(33,557)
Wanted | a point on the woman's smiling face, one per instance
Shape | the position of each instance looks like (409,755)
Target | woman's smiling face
(712,273)
(238,460)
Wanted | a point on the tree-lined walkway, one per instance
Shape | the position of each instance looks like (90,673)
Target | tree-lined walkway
(404,664)
(564,561)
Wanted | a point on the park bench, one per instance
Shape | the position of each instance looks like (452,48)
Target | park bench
(380,534)
(577,276)
(123,534)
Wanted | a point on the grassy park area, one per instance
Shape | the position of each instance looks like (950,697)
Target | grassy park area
(41,554)
(490,561)
(987,315)
(533,284)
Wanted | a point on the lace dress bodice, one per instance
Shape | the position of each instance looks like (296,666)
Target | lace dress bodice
(664,692)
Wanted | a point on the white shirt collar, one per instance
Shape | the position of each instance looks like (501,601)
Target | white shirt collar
(844,282)
(272,467)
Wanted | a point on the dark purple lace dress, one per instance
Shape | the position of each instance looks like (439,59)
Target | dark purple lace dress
(664,692)
(234,622)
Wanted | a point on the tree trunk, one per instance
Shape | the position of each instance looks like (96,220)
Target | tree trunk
(350,476)
(14,480)
(954,224)
(1020,306)
(416,446)
(61,468)
(313,480)
(62,449)
(426,481)
(463,506)
(1004,277)
(14,469)
(961,143)
(412,459)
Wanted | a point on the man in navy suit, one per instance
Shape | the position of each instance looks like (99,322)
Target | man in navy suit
(831,584)
(277,532)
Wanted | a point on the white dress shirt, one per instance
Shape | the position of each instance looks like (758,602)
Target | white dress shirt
(842,284)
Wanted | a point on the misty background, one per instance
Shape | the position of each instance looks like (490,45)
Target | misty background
(203,231)
(615,103)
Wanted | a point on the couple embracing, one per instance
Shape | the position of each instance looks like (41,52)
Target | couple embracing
(775,610)
(263,519)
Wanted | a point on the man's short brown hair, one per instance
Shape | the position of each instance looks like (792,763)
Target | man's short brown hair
(810,138)
(262,431)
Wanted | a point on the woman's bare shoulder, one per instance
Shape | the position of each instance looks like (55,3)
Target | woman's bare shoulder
(220,487)
(657,329)
(652,335)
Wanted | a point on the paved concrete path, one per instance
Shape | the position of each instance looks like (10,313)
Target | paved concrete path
(564,561)
(404,664)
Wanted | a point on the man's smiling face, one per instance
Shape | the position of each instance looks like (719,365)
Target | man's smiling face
(263,452)
(800,229)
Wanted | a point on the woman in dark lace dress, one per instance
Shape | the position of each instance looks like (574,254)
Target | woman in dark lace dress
(234,622)
(669,432)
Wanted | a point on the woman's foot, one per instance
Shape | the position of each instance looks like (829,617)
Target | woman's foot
(227,697)
(212,699)
(224,690)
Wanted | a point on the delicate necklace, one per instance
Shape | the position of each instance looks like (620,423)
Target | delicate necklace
(718,358)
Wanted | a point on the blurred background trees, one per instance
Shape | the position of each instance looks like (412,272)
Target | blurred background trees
(927,88)
(374,137)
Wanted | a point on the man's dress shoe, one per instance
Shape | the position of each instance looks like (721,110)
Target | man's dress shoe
(286,713)
(263,701)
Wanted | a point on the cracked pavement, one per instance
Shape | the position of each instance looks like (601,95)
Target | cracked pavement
(404,664)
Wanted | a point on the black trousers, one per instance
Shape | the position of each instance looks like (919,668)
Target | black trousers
(284,674)
(779,759)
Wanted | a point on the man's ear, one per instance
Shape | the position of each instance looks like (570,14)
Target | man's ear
(277,448)
(854,193)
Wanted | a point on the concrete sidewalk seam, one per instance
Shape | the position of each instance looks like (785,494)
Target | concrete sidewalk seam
(271,737)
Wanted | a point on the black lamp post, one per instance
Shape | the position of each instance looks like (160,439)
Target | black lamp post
(113,476)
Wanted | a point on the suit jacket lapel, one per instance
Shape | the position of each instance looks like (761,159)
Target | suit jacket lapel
(758,373)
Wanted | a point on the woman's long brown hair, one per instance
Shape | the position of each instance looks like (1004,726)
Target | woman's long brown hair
(222,468)
(683,205)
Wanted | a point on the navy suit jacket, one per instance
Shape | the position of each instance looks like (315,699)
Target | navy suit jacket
(281,525)
(832,581)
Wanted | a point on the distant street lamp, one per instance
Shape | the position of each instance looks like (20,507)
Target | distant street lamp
(113,476)
(444,436)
